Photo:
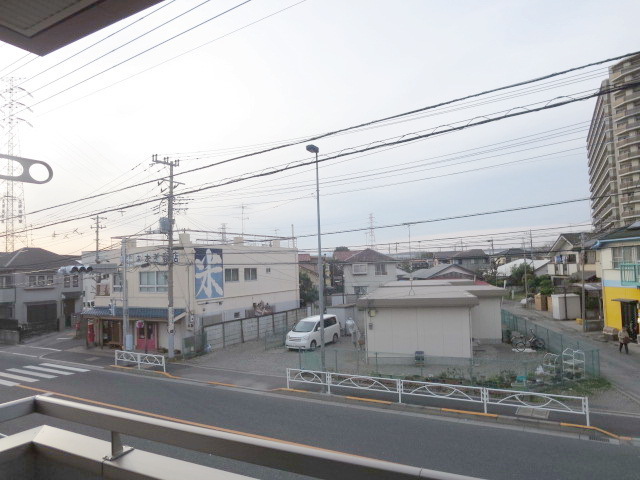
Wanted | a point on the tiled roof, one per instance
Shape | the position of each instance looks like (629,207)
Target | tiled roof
(35,258)
(134,312)
(427,273)
(341,256)
(370,256)
(304,257)
(624,232)
(444,255)
(475,253)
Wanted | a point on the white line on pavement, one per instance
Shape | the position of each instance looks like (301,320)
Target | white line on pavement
(48,370)
(27,372)
(74,369)
(21,354)
(64,338)
(46,348)
(18,377)
(8,383)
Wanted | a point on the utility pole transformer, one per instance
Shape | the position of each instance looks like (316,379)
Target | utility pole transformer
(170,199)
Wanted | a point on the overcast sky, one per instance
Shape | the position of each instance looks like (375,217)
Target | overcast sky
(316,67)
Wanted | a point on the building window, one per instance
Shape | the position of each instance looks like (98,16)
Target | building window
(153,282)
(231,275)
(33,280)
(40,280)
(250,274)
(117,282)
(268,270)
(359,268)
(67,281)
(381,268)
(49,279)
(75,280)
(360,290)
(625,255)
(6,281)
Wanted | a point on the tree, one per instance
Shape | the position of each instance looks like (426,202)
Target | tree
(517,275)
(341,249)
(545,285)
(308,291)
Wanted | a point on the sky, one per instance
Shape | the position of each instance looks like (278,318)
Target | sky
(271,72)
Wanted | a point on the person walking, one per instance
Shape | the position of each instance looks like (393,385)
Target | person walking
(623,338)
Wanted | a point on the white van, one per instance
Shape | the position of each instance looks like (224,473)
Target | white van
(306,333)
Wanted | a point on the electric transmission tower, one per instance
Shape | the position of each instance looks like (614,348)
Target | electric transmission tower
(12,212)
(371,233)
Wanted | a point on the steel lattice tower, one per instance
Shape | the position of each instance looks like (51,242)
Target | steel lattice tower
(12,207)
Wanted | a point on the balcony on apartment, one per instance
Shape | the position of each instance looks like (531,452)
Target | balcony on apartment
(616,74)
(629,212)
(628,169)
(629,97)
(629,141)
(629,155)
(626,113)
(630,197)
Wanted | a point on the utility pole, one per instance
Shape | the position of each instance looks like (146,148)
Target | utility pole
(583,304)
(125,298)
(98,227)
(526,283)
(170,316)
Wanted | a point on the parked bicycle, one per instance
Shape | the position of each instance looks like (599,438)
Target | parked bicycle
(521,343)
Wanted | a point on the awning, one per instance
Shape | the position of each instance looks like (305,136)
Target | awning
(625,300)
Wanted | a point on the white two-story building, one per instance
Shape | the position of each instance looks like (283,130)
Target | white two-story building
(212,283)
(367,270)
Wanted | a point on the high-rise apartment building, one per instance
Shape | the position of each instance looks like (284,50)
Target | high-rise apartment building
(613,149)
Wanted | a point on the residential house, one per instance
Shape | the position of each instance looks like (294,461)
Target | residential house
(619,269)
(475,260)
(212,284)
(539,267)
(367,270)
(308,265)
(443,257)
(565,257)
(511,254)
(440,272)
(439,318)
(35,293)
(336,267)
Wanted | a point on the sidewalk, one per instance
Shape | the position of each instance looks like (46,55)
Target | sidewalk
(620,369)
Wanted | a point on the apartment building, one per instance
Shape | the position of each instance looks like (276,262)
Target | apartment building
(613,150)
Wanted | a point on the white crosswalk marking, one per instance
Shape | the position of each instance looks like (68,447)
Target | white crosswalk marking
(27,372)
(18,377)
(48,370)
(64,367)
(7,383)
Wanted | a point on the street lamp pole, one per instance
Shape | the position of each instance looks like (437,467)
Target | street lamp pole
(316,150)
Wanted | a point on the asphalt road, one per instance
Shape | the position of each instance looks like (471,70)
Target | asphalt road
(492,452)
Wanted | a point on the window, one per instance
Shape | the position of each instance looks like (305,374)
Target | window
(359,269)
(40,280)
(117,282)
(6,281)
(250,274)
(381,268)
(268,270)
(328,322)
(153,282)
(67,281)
(75,280)
(33,280)
(231,275)
(625,255)
(360,290)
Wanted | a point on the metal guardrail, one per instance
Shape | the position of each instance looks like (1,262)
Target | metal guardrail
(126,462)
(463,393)
(141,359)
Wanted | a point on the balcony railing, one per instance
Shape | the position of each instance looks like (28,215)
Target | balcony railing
(627,141)
(630,274)
(625,155)
(626,113)
(627,170)
(626,70)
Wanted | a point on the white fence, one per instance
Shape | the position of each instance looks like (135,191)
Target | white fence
(463,393)
(141,359)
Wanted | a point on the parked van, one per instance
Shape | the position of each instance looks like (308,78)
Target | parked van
(306,334)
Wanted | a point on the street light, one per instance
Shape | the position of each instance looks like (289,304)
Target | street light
(316,150)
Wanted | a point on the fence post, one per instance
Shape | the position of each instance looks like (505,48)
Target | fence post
(299,358)
(399,387)
(241,332)
(336,352)
(484,396)
(273,323)
(288,376)
(377,372)
(328,378)
(223,336)
(585,406)
(138,360)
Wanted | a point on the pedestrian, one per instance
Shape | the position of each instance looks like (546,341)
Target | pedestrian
(623,338)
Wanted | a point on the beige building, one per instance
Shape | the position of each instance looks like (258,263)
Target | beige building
(613,149)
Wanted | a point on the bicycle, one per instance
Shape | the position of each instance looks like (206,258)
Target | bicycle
(534,342)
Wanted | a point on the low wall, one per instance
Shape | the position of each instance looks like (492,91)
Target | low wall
(9,337)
